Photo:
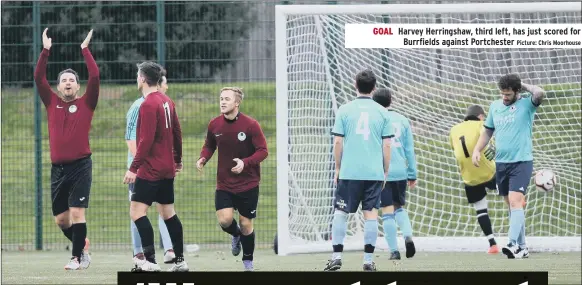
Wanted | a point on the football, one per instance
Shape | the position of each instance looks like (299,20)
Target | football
(545,180)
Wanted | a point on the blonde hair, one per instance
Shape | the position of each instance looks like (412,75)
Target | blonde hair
(237,91)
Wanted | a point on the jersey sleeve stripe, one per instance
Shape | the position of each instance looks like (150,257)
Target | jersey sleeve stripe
(534,103)
(388,137)
(337,135)
(489,128)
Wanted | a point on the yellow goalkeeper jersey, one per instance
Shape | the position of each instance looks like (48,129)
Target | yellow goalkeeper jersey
(463,138)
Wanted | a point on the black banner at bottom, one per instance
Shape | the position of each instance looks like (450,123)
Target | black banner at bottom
(333,278)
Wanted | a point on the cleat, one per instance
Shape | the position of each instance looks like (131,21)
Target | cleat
(85,260)
(513,251)
(248,265)
(169,256)
(147,266)
(236,246)
(395,255)
(494,249)
(372,266)
(73,264)
(525,251)
(410,248)
(333,265)
(179,265)
(137,259)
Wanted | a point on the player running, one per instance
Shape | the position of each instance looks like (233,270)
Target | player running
(463,137)
(158,158)
(131,119)
(362,130)
(511,120)
(402,173)
(242,148)
(69,122)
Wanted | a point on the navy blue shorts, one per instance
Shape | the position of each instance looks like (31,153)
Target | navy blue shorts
(394,192)
(513,176)
(350,193)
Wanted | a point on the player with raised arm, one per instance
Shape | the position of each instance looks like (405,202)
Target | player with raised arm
(511,120)
(131,122)
(402,173)
(69,122)
(158,158)
(463,137)
(362,131)
(242,147)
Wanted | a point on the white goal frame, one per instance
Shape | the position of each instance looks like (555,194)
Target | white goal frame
(285,246)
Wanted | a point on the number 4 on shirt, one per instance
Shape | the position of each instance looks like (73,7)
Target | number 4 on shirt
(363,127)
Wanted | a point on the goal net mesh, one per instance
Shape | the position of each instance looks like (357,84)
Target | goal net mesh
(433,88)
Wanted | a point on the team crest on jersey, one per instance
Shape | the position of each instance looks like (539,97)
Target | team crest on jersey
(242,136)
(72,108)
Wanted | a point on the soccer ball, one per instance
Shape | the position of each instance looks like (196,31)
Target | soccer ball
(545,180)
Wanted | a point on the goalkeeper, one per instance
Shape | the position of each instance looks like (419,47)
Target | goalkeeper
(463,138)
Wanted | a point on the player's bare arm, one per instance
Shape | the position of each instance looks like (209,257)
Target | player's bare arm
(484,138)
(338,146)
(386,153)
(537,92)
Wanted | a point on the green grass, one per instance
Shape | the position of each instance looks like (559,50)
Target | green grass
(563,268)
(437,207)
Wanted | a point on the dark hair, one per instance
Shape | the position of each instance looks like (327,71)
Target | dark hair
(152,72)
(68,70)
(510,81)
(473,113)
(383,97)
(365,81)
(162,74)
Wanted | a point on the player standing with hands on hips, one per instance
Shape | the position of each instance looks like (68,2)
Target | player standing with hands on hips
(157,159)
(69,122)
(511,120)
(242,147)
(362,131)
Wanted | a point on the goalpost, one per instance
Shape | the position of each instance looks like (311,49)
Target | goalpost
(433,88)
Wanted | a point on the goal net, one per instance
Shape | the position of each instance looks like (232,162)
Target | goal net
(433,88)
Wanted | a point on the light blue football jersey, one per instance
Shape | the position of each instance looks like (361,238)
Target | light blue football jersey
(363,123)
(131,125)
(512,126)
(402,158)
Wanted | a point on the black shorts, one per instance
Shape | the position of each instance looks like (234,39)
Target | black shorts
(350,193)
(513,176)
(147,192)
(244,202)
(71,185)
(394,192)
(476,193)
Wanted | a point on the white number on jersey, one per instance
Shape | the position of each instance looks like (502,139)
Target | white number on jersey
(397,133)
(363,127)
(167,114)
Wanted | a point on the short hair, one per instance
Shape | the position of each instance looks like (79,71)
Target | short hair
(237,91)
(383,97)
(365,81)
(162,74)
(473,112)
(68,70)
(151,71)
(510,81)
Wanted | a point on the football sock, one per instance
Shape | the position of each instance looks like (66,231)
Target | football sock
(370,236)
(248,245)
(390,231)
(403,221)
(485,223)
(68,232)
(79,235)
(176,234)
(516,222)
(233,229)
(338,232)
(164,233)
(521,238)
(146,232)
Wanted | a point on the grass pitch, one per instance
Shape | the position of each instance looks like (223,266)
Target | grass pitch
(563,268)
